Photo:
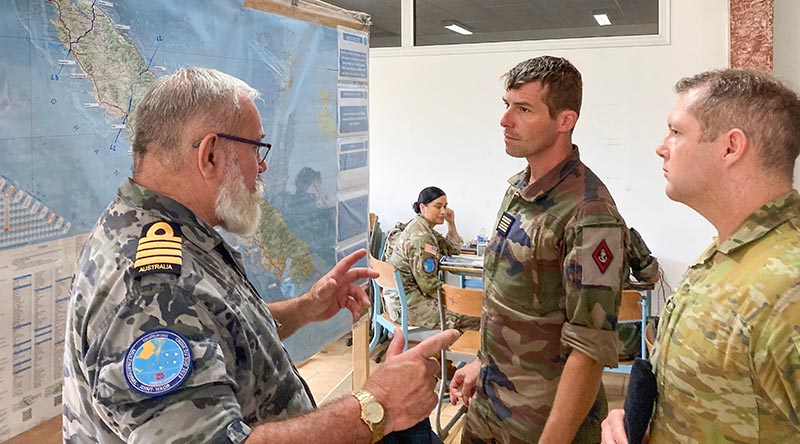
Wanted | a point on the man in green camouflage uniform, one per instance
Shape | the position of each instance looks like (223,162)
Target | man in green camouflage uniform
(553,273)
(167,340)
(641,264)
(727,356)
(416,253)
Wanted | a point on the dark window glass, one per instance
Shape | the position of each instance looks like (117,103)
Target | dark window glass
(515,20)
(385,30)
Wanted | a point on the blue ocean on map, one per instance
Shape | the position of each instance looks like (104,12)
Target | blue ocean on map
(65,140)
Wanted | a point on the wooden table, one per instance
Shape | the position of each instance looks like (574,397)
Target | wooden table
(463,266)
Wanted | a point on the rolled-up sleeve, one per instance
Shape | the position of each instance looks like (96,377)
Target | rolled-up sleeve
(594,268)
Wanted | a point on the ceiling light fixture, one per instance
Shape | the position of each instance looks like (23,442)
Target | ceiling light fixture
(456,27)
(601,18)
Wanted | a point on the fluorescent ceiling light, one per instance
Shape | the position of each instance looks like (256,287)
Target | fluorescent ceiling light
(602,18)
(456,27)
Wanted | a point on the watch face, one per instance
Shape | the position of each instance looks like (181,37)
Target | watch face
(373,412)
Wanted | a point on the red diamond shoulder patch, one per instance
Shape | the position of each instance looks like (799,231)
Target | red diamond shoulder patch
(602,256)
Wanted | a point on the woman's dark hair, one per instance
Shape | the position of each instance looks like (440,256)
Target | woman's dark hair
(426,196)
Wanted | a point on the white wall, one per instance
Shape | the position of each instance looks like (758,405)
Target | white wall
(787,55)
(787,41)
(434,121)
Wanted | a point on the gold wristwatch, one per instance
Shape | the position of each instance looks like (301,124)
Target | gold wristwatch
(372,414)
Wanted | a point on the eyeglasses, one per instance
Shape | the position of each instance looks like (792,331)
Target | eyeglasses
(261,147)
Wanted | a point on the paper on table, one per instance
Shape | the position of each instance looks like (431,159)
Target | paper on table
(463,260)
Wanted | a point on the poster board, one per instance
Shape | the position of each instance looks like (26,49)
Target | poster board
(71,75)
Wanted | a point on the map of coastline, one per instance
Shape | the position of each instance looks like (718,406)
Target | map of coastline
(71,75)
(113,64)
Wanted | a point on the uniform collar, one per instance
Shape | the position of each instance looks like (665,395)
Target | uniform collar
(532,191)
(757,225)
(423,222)
(193,229)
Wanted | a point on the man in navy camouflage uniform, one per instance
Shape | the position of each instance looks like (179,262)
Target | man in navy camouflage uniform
(167,341)
(553,272)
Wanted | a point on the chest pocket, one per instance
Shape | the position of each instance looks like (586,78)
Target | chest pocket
(516,243)
(706,355)
(518,264)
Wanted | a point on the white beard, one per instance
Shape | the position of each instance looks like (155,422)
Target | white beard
(237,209)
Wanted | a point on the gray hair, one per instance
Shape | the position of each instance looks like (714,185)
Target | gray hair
(174,101)
(765,109)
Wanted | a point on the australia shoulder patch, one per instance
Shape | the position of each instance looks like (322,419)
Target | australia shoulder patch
(159,250)
(158,362)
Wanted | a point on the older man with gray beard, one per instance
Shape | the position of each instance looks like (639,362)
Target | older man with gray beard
(167,340)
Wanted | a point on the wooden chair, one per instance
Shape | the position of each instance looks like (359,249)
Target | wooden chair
(469,302)
(382,324)
(649,338)
(631,310)
(377,237)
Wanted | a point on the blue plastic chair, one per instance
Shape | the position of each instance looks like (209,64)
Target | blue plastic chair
(470,282)
(382,325)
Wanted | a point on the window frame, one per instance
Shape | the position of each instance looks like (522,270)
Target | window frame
(407,47)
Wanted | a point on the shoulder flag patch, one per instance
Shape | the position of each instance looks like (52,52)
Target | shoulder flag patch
(430,249)
(159,249)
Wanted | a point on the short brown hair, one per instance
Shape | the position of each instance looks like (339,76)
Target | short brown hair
(560,77)
(765,109)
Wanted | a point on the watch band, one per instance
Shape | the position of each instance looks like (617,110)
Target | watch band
(372,413)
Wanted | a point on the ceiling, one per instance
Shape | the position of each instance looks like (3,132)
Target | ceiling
(506,20)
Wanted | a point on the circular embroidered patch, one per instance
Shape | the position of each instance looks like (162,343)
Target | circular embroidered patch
(158,362)
(428,265)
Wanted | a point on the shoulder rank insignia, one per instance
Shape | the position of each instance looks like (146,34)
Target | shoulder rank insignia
(159,249)
(504,224)
(158,362)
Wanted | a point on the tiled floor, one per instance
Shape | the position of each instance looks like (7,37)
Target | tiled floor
(327,374)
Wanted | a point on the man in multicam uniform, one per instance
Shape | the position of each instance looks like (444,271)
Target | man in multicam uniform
(167,341)
(553,273)
(416,252)
(727,356)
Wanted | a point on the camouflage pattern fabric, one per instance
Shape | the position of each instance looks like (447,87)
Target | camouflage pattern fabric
(416,255)
(391,239)
(641,263)
(553,273)
(481,429)
(727,357)
(241,374)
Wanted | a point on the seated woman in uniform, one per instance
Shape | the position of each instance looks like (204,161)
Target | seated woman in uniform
(416,251)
